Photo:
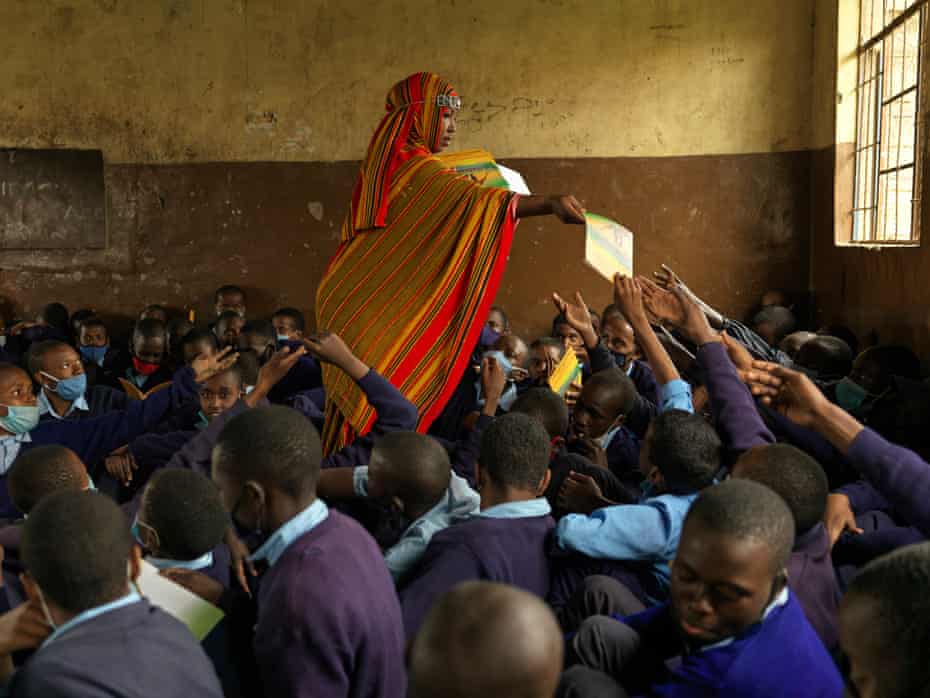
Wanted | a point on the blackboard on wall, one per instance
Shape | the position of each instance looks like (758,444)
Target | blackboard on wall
(52,200)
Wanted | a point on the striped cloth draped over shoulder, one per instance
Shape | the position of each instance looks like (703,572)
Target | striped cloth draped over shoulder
(410,298)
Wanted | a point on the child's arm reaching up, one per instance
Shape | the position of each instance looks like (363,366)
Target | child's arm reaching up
(675,393)
(899,474)
(395,412)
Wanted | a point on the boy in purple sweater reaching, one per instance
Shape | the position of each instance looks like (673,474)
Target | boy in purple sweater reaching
(732,628)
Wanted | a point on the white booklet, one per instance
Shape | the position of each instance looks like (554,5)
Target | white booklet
(198,615)
(608,247)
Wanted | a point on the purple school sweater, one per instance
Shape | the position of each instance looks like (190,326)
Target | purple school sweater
(732,405)
(329,625)
(900,475)
(781,657)
(137,650)
(511,551)
(812,580)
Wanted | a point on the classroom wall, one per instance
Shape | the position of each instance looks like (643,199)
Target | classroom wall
(880,293)
(232,129)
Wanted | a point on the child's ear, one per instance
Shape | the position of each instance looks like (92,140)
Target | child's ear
(544,483)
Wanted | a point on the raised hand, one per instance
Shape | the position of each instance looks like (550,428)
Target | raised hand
(578,316)
(567,209)
(695,325)
(664,305)
(797,397)
(493,380)
(330,348)
(279,365)
(206,366)
(667,278)
(738,353)
(628,296)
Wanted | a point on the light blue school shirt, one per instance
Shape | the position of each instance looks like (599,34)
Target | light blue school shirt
(273,548)
(460,502)
(91,613)
(649,531)
(518,510)
(45,406)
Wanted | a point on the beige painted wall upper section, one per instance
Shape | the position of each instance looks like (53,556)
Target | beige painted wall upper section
(208,80)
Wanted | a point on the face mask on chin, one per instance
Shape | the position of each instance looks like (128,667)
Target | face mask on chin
(144,368)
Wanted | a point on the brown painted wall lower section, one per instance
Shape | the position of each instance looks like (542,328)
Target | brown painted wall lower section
(885,291)
(732,226)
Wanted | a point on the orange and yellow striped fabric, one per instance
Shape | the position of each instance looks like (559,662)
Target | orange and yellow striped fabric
(422,254)
(410,300)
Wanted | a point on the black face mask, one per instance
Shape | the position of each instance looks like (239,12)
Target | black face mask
(621,360)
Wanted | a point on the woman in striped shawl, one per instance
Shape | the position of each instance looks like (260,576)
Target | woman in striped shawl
(422,254)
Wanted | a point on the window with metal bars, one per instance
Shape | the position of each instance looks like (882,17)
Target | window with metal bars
(887,175)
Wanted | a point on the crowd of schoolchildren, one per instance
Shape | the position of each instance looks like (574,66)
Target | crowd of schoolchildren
(712,508)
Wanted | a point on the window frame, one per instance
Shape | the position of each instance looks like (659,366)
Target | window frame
(869,136)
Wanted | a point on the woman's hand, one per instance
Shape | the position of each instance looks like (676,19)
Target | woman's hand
(567,209)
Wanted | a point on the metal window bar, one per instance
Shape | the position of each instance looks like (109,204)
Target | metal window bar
(869,186)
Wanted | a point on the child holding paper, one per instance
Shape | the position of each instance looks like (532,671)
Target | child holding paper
(83,613)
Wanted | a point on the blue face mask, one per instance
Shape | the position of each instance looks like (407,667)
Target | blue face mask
(202,421)
(283,338)
(20,419)
(850,395)
(95,354)
(502,361)
(488,337)
(69,389)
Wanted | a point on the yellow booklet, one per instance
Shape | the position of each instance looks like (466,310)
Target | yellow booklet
(567,372)
(134,393)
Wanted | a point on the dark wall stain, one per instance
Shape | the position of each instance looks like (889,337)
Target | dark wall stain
(732,226)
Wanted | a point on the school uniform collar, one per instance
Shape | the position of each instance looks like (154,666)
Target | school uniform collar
(163,563)
(518,510)
(137,379)
(91,613)
(273,548)
(777,602)
(10,446)
(605,440)
(46,407)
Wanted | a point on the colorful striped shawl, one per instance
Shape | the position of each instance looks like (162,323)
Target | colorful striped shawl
(410,299)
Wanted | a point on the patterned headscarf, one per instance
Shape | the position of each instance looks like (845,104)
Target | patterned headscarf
(414,119)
